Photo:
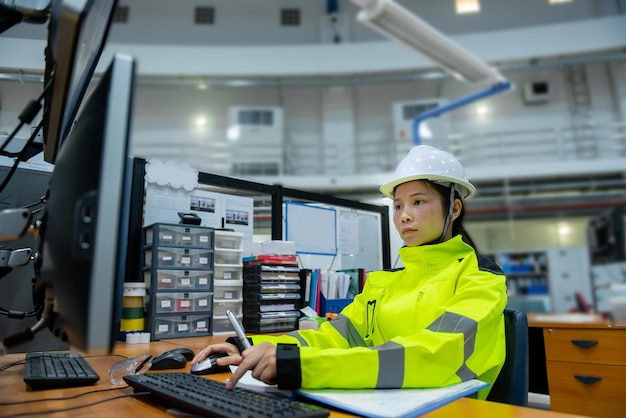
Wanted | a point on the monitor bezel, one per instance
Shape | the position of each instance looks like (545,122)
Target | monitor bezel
(68,32)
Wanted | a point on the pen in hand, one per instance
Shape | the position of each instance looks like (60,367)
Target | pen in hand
(241,335)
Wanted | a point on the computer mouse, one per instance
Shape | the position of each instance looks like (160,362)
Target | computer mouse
(187,352)
(168,360)
(209,365)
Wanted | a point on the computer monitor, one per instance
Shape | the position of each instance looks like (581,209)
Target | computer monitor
(77,33)
(605,237)
(84,231)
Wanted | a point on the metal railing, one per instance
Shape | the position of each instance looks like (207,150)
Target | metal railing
(493,148)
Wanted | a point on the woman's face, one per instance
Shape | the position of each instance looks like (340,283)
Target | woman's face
(419,213)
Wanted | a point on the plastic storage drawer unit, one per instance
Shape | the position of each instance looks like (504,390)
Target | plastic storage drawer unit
(177,235)
(182,302)
(220,306)
(180,279)
(221,324)
(172,257)
(227,289)
(227,272)
(228,240)
(228,256)
(177,326)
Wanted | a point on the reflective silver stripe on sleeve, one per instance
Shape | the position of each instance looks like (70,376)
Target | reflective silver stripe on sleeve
(297,336)
(390,365)
(451,322)
(344,327)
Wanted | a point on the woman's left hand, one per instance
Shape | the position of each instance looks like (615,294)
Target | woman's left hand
(261,359)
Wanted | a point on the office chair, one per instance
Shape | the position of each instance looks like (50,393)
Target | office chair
(511,386)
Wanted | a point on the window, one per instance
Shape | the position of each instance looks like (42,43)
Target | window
(255,117)
(204,15)
(120,14)
(290,17)
(410,111)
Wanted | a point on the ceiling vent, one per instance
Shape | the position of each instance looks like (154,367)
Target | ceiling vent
(204,16)
(120,14)
(290,17)
(537,92)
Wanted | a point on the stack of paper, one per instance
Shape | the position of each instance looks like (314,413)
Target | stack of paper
(391,403)
(374,403)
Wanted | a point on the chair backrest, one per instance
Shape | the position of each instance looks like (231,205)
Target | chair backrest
(511,386)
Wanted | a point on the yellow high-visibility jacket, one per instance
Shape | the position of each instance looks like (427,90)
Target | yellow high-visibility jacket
(435,322)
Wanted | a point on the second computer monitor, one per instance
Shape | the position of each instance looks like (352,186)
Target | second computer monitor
(85,226)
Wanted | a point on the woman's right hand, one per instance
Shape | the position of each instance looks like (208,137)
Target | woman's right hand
(231,350)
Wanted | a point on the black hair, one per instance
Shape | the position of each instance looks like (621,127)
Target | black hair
(457,224)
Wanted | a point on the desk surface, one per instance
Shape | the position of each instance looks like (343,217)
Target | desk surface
(575,320)
(15,390)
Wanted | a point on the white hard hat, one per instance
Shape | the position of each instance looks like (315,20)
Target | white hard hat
(424,162)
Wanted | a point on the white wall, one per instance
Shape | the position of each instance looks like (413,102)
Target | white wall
(347,129)
(338,133)
(528,234)
(13,98)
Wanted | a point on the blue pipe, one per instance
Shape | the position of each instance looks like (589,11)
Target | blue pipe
(496,88)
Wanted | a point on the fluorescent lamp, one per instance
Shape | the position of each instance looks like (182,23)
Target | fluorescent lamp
(200,122)
(396,22)
(559,1)
(482,110)
(233,133)
(564,229)
(467,6)
(425,131)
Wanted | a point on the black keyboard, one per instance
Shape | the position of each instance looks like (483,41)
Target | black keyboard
(209,398)
(57,370)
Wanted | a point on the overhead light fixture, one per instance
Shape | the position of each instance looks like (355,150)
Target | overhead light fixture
(425,131)
(396,22)
(201,122)
(467,6)
(233,133)
(482,110)
(559,1)
(564,229)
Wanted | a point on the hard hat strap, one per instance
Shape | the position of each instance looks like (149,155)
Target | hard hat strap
(449,216)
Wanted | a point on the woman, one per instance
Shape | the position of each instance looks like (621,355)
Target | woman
(435,322)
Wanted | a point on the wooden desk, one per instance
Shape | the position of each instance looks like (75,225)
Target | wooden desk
(15,390)
(586,363)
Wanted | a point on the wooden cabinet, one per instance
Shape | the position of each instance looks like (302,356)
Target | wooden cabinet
(586,368)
